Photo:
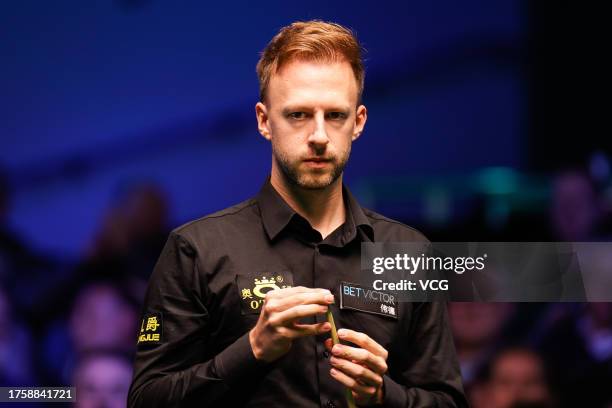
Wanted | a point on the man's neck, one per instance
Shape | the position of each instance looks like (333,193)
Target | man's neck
(322,208)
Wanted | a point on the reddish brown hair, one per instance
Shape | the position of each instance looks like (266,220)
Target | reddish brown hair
(310,41)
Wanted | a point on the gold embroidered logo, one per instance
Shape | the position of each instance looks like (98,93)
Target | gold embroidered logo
(253,291)
(150,329)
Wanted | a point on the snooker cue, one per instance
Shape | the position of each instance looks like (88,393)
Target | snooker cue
(335,340)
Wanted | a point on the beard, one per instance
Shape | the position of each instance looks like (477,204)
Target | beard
(311,178)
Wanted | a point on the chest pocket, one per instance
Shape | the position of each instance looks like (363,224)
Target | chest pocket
(252,288)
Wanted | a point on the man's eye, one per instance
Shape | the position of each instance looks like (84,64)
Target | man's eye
(336,115)
(297,115)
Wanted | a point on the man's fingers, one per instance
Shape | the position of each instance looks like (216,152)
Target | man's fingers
(279,304)
(280,293)
(357,371)
(297,312)
(301,330)
(287,292)
(364,341)
(361,356)
(352,384)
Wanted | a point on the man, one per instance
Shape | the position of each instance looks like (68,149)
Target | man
(235,310)
(102,378)
(517,378)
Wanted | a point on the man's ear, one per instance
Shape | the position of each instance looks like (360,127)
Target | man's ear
(360,119)
(262,120)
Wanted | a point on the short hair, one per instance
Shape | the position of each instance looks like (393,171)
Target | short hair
(313,40)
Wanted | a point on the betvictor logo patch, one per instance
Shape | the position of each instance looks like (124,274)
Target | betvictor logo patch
(252,290)
(357,297)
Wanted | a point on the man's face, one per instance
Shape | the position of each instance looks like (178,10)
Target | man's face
(103,382)
(311,118)
(518,377)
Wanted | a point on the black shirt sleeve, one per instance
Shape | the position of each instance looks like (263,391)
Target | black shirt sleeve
(175,370)
(427,374)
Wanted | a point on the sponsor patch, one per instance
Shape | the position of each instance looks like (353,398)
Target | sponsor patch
(151,329)
(252,290)
(358,297)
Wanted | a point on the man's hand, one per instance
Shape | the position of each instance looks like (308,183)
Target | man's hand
(361,369)
(278,324)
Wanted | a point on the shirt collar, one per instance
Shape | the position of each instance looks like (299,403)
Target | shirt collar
(276,213)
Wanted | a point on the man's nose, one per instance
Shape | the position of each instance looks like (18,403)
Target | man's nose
(318,137)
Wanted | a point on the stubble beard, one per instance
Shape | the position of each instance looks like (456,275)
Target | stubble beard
(310,179)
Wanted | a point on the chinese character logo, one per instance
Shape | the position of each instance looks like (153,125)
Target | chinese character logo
(151,329)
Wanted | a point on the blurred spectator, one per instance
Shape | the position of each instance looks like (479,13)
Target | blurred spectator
(15,351)
(113,237)
(102,380)
(477,329)
(125,249)
(516,378)
(576,208)
(135,228)
(104,316)
(578,350)
(98,308)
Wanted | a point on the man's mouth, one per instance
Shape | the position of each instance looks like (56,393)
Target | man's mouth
(317,162)
(317,159)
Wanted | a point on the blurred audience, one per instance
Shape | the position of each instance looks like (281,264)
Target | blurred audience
(515,378)
(98,307)
(477,330)
(136,228)
(102,379)
(578,350)
(104,316)
(575,208)
(124,249)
